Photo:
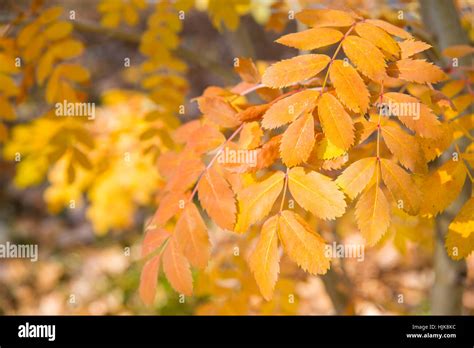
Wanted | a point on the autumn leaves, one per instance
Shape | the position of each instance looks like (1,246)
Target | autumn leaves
(307,124)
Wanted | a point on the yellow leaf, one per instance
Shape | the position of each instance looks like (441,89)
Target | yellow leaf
(413,114)
(336,122)
(8,86)
(290,108)
(356,177)
(350,88)
(250,136)
(290,71)
(411,47)
(311,39)
(58,30)
(191,234)
(405,148)
(442,187)
(264,261)
(50,14)
(177,269)
(327,150)
(217,199)
(298,141)
(316,193)
(460,237)
(404,191)
(372,214)
(389,28)
(367,58)
(247,70)
(325,18)
(218,111)
(378,37)
(73,72)
(416,70)
(66,49)
(452,88)
(256,200)
(302,245)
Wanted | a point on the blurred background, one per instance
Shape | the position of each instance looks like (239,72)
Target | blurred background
(88,218)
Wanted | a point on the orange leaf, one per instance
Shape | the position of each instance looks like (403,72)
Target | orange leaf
(413,114)
(458,51)
(148,280)
(416,70)
(250,136)
(367,58)
(405,148)
(372,214)
(177,269)
(336,122)
(390,28)
(290,71)
(218,111)
(264,261)
(289,109)
(191,234)
(442,187)
(302,245)
(401,186)
(311,39)
(316,193)
(256,200)
(350,88)
(187,171)
(205,138)
(154,238)
(378,37)
(325,18)
(356,177)
(298,141)
(411,47)
(247,70)
(217,199)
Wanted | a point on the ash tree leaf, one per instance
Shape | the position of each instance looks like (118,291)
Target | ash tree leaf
(289,109)
(350,88)
(302,245)
(316,193)
(298,141)
(366,57)
(191,233)
(357,176)
(311,39)
(290,71)
(336,122)
(217,199)
(264,261)
(177,269)
(256,200)
(372,214)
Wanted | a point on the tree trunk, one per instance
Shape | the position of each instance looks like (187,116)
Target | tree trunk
(441,18)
